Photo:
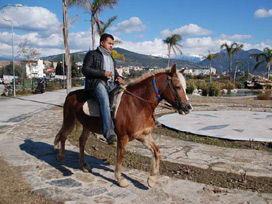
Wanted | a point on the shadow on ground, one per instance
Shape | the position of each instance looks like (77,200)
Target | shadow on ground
(45,152)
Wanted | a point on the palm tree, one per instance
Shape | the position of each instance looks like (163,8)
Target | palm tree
(267,58)
(211,57)
(102,27)
(94,8)
(237,63)
(173,44)
(231,50)
(67,46)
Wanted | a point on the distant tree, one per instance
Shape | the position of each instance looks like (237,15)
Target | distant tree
(59,68)
(231,50)
(74,67)
(266,57)
(8,70)
(211,57)
(28,52)
(236,68)
(173,44)
(115,55)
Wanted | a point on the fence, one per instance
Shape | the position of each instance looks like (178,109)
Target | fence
(31,84)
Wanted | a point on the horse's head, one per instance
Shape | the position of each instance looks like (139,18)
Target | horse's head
(175,91)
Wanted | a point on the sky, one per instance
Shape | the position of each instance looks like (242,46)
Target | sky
(141,25)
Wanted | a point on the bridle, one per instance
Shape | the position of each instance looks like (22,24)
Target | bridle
(180,104)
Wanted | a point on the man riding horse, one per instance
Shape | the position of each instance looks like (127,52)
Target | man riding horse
(102,77)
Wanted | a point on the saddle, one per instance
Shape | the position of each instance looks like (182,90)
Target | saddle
(91,106)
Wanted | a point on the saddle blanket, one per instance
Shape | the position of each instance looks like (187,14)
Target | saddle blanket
(91,106)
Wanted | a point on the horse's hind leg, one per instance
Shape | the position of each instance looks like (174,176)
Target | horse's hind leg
(67,127)
(82,142)
(121,148)
(149,142)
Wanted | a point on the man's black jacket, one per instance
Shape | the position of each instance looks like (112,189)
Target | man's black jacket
(93,69)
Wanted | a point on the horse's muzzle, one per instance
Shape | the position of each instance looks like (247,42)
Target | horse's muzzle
(185,108)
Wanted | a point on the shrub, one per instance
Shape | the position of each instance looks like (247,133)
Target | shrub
(190,86)
(201,84)
(267,95)
(214,89)
(229,86)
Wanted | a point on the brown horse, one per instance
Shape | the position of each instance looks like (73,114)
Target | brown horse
(134,118)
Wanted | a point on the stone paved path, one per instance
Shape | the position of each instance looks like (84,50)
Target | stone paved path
(27,146)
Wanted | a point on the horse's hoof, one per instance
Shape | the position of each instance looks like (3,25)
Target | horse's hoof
(60,158)
(123,182)
(56,146)
(85,168)
(151,181)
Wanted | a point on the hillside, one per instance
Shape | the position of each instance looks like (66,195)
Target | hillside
(222,64)
(133,59)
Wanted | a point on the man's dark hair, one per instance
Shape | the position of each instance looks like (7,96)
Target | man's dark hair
(105,36)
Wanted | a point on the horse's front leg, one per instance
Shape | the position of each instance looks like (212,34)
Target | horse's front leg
(82,142)
(149,142)
(121,149)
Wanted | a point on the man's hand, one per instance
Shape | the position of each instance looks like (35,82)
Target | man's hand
(120,80)
(108,74)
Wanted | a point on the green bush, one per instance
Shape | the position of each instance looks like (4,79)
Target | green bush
(190,86)
(229,86)
(214,89)
(201,84)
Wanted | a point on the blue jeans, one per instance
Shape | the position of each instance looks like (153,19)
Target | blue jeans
(102,96)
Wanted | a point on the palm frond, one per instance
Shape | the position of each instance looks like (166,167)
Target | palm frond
(258,64)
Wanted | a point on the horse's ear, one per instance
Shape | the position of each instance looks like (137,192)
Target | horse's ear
(173,69)
(182,70)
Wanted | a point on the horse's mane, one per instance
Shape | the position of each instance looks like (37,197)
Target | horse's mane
(147,75)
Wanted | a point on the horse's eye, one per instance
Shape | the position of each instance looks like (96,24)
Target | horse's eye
(178,87)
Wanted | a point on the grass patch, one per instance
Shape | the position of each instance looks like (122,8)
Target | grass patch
(15,190)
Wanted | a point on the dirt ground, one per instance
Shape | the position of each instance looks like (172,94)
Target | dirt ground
(15,190)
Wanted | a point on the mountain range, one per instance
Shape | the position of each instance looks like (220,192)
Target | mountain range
(222,63)
(148,61)
(134,59)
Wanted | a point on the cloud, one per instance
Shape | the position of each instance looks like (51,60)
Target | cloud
(134,24)
(263,13)
(191,29)
(235,37)
(26,18)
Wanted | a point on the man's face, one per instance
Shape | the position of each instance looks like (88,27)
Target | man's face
(107,44)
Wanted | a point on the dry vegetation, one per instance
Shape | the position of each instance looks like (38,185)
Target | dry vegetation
(15,190)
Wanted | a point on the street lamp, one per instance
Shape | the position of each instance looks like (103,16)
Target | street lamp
(13,66)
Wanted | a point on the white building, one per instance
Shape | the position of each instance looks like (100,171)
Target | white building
(34,69)
(202,71)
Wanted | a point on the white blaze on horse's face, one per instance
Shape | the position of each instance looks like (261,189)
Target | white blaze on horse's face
(186,106)
(183,83)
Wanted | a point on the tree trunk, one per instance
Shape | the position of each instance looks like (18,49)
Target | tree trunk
(93,31)
(67,47)
(230,69)
(169,53)
(99,25)
(235,71)
(210,71)
(268,69)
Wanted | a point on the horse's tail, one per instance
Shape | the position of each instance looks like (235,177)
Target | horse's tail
(69,119)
